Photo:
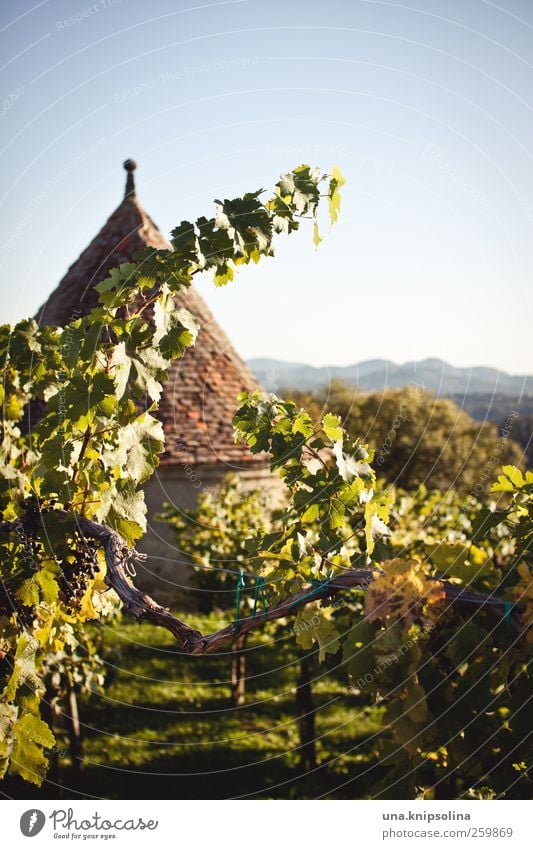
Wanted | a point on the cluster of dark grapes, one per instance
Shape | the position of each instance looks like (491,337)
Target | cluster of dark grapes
(77,569)
(31,548)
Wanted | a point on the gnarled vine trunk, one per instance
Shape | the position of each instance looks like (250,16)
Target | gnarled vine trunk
(71,716)
(49,715)
(238,671)
(306,710)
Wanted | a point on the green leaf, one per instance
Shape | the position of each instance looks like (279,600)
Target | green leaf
(185,243)
(463,644)
(46,578)
(13,408)
(311,514)
(148,366)
(8,718)
(71,340)
(485,520)
(57,451)
(348,465)
(224,274)
(337,514)
(24,672)
(117,289)
(84,393)
(28,760)
(121,366)
(331,425)
(414,703)
(137,451)
(376,517)
(460,560)
(303,424)
(357,653)
(122,507)
(175,327)
(28,592)
(312,627)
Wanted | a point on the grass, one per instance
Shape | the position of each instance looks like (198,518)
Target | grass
(164,726)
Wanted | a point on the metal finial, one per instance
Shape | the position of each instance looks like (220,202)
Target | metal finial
(130,165)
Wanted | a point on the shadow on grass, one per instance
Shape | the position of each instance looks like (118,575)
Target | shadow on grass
(164,729)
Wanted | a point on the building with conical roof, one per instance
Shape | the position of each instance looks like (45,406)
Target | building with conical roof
(199,396)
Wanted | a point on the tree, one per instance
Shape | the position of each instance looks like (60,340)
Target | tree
(417,438)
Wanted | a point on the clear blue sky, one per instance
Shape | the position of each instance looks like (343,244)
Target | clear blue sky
(426,106)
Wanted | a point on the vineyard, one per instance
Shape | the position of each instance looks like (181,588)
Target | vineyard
(375,623)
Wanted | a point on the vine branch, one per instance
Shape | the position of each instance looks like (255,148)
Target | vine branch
(139,605)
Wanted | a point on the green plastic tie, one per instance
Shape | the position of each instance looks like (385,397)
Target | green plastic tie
(260,590)
(508,608)
(240,586)
(317,587)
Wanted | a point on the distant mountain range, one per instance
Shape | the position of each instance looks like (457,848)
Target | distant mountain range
(433,374)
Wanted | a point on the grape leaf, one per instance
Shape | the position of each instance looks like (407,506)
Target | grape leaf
(28,760)
(313,627)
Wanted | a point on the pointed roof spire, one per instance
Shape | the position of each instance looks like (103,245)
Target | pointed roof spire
(129,229)
(130,165)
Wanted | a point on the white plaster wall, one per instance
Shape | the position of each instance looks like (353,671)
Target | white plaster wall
(164,574)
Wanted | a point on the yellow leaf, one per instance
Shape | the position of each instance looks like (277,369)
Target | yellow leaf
(90,605)
(514,475)
(336,174)
(334,197)
(402,592)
